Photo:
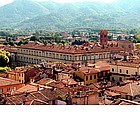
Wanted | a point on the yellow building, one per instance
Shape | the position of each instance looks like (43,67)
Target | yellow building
(18,75)
(93,73)
(23,75)
(87,74)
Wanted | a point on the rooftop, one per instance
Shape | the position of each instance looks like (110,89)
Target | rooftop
(27,88)
(10,49)
(31,98)
(124,102)
(95,68)
(128,63)
(45,81)
(7,82)
(132,89)
(86,48)
(69,81)
(88,70)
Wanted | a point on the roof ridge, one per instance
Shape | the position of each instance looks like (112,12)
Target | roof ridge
(131,89)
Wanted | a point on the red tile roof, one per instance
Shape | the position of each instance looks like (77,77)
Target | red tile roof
(27,88)
(69,81)
(124,102)
(10,49)
(7,82)
(131,89)
(45,81)
(31,98)
(87,48)
(88,70)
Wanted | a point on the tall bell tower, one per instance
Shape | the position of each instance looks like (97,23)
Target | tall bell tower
(104,37)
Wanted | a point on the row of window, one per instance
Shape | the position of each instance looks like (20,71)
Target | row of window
(8,89)
(13,76)
(28,60)
(68,57)
(127,72)
(129,46)
(120,71)
(120,79)
(91,77)
(21,81)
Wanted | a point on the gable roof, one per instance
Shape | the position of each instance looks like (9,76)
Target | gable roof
(7,82)
(131,89)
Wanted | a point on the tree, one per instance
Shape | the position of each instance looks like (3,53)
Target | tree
(63,42)
(4,58)
(119,38)
(138,37)
(4,69)
(11,43)
(49,42)
(34,38)
(57,39)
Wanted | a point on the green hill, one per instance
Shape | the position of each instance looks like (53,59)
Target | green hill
(28,14)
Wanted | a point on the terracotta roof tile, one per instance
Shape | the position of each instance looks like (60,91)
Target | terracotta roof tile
(45,81)
(131,89)
(27,88)
(88,70)
(72,49)
(31,98)
(69,81)
(6,82)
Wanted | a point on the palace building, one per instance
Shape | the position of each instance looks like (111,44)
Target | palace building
(35,53)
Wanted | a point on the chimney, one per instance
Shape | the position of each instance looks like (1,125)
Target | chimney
(38,87)
(27,93)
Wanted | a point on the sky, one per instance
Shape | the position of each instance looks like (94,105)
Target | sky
(3,2)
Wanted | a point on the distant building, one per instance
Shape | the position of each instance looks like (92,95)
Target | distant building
(91,52)
(64,34)
(104,37)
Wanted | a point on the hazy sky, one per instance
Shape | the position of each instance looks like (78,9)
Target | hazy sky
(3,2)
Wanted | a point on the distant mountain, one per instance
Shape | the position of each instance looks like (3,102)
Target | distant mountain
(19,11)
(28,14)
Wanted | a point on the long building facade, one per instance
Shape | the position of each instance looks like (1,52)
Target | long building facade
(34,53)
